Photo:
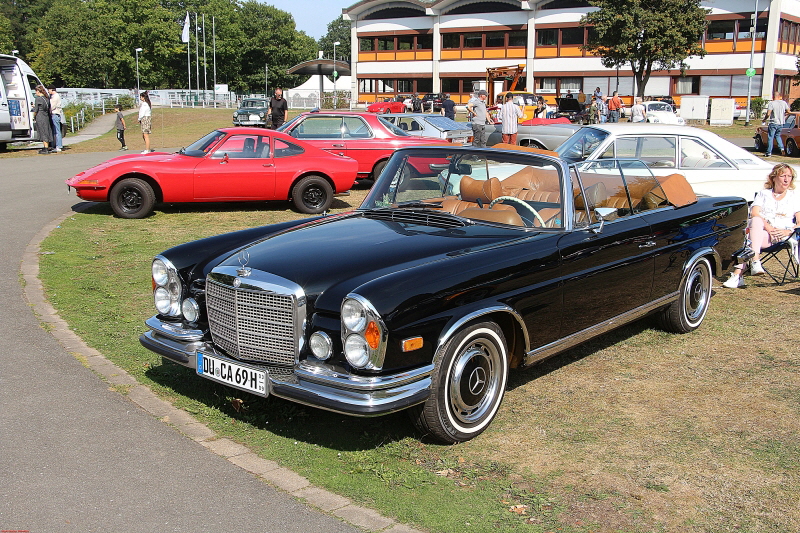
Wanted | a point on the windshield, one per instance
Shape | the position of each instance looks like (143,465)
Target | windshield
(581,145)
(659,106)
(254,103)
(392,128)
(201,147)
(288,125)
(499,187)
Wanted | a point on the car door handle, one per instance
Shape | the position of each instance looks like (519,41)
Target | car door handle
(648,244)
(267,165)
(338,146)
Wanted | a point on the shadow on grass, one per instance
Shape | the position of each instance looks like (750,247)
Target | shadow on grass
(284,418)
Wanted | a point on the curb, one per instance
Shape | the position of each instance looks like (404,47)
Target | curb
(237,454)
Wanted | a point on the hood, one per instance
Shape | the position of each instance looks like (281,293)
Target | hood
(331,258)
(128,158)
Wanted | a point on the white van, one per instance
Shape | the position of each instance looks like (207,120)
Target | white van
(17,91)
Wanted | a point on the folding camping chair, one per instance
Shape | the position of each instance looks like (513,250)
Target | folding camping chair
(788,265)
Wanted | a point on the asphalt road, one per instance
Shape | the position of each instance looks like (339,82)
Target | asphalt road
(76,456)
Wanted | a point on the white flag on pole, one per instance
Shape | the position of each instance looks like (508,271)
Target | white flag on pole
(185,34)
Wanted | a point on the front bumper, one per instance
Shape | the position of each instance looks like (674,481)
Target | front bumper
(310,383)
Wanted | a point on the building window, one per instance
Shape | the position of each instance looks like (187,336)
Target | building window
(451,40)
(386,86)
(425,85)
(546,37)
(517,38)
(424,42)
(405,86)
(405,42)
(473,40)
(385,43)
(366,86)
(571,36)
(450,85)
(744,29)
(366,44)
(687,85)
(571,84)
(546,85)
(495,39)
(721,30)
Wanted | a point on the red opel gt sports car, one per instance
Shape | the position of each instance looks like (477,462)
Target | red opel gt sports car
(227,165)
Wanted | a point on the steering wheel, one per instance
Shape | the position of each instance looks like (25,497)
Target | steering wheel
(523,203)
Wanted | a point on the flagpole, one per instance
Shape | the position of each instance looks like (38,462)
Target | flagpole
(214,51)
(186,37)
(205,62)
(196,54)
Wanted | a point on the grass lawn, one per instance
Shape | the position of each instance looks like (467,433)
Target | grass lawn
(636,431)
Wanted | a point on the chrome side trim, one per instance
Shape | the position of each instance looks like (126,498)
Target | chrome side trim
(173,330)
(543,352)
(450,331)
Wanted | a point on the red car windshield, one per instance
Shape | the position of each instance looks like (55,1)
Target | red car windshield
(201,147)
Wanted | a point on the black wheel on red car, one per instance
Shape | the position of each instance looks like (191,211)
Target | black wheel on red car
(791,148)
(467,385)
(312,194)
(132,198)
(687,312)
(758,144)
(377,169)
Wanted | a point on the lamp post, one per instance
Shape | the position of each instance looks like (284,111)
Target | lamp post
(335,74)
(137,50)
(750,73)
(266,80)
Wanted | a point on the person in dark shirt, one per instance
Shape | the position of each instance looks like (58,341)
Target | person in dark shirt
(278,109)
(448,107)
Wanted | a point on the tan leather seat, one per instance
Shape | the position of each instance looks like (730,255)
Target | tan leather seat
(472,190)
(596,196)
(498,213)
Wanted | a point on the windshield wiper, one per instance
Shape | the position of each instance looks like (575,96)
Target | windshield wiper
(416,203)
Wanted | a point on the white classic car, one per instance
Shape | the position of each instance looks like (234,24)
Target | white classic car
(712,165)
(661,113)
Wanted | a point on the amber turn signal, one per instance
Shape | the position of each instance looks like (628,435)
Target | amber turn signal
(414,343)
(373,335)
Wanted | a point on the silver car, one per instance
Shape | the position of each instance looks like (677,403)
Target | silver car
(430,125)
(545,136)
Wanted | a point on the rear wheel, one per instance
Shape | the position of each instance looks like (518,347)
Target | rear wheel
(758,144)
(467,385)
(312,194)
(377,169)
(688,311)
(791,148)
(532,144)
(132,198)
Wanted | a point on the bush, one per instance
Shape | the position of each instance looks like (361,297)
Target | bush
(795,105)
(757,105)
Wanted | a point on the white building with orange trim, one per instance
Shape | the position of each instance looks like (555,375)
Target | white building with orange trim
(407,46)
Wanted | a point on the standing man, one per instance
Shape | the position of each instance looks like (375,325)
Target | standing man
(278,109)
(614,106)
(448,107)
(510,113)
(602,109)
(55,118)
(775,118)
(477,109)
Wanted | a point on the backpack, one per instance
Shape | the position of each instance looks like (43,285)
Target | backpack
(416,105)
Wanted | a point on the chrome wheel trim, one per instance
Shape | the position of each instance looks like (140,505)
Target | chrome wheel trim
(475,381)
(697,293)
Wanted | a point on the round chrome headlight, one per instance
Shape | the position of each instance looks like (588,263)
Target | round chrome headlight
(235,114)
(356,351)
(261,114)
(190,310)
(160,272)
(164,301)
(354,315)
(321,345)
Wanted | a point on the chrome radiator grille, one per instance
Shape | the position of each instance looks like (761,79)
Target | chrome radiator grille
(251,324)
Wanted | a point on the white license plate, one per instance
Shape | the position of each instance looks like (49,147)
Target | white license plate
(254,117)
(237,375)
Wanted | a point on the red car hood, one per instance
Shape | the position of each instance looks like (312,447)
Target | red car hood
(154,157)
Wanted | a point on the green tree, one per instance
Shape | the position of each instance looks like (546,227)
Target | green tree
(338,30)
(6,38)
(24,16)
(647,34)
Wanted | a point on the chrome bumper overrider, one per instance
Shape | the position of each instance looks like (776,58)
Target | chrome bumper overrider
(315,384)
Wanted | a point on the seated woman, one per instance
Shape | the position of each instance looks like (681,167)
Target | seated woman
(774,216)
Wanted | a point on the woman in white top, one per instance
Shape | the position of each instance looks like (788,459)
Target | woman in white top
(774,216)
(146,120)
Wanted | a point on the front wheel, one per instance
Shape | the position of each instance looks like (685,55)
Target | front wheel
(791,148)
(312,195)
(688,311)
(467,385)
(132,198)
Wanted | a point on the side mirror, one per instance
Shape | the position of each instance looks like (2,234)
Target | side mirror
(604,214)
(224,158)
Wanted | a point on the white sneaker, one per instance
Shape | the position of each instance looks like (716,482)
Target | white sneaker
(756,269)
(734,282)
(145,152)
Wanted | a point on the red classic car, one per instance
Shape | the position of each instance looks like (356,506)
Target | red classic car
(227,165)
(395,105)
(366,137)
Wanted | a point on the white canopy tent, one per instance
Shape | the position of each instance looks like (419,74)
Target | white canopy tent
(307,94)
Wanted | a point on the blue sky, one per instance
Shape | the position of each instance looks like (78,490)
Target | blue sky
(312,16)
